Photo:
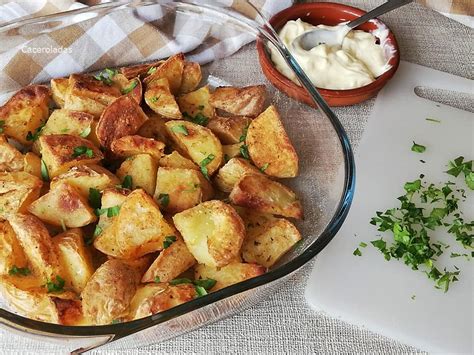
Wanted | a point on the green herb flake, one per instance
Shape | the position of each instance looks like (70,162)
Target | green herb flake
(180,281)
(157,279)
(22,271)
(226,158)
(205,283)
(168,241)
(418,148)
(113,211)
(129,87)
(243,137)
(106,76)
(164,200)
(116,321)
(199,118)
(459,166)
(82,150)
(44,171)
(264,167)
(201,291)
(151,70)
(362,244)
(94,198)
(85,133)
(244,151)
(180,129)
(413,297)
(203,165)
(55,286)
(434,120)
(357,252)
(2,125)
(32,137)
(127,182)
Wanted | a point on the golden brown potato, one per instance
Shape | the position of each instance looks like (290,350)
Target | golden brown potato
(140,69)
(154,128)
(17,191)
(176,160)
(154,298)
(59,88)
(10,158)
(68,122)
(172,69)
(140,265)
(37,245)
(32,164)
(197,142)
(60,152)
(108,292)
(121,118)
(247,101)
(230,130)
(85,177)
(254,221)
(192,76)
(111,197)
(25,112)
(269,146)
(185,188)
(142,168)
(212,231)
(138,229)
(131,87)
(231,173)
(128,146)
(160,99)
(75,259)
(172,262)
(229,274)
(11,252)
(232,150)
(264,195)
(195,106)
(268,246)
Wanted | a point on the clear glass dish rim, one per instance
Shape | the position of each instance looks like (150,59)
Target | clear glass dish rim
(120,330)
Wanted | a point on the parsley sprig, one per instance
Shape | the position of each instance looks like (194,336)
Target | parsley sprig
(106,76)
(204,163)
(459,166)
(82,150)
(15,270)
(55,286)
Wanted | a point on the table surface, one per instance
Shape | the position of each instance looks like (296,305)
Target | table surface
(284,323)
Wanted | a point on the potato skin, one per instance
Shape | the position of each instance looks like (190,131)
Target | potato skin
(128,146)
(154,128)
(229,274)
(176,160)
(10,158)
(196,102)
(17,191)
(192,76)
(11,252)
(139,69)
(32,164)
(246,101)
(160,99)
(232,150)
(111,197)
(108,292)
(229,129)
(269,145)
(212,231)
(142,168)
(67,122)
(59,88)
(172,70)
(231,173)
(264,195)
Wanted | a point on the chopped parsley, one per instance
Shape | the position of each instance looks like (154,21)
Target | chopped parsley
(244,151)
(459,166)
(180,129)
(157,279)
(127,182)
(243,137)
(85,133)
(151,70)
(418,148)
(199,118)
(97,231)
(106,76)
(94,197)
(264,167)
(130,87)
(433,120)
(44,171)
(357,252)
(22,271)
(201,291)
(362,244)
(2,124)
(116,321)
(201,286)
(204,163)
(55,286)
(32,137)
(206,283)
(83,150)
(168,241)
(181,281)
(226,158)
(164,200)
(154,99)
(111,211)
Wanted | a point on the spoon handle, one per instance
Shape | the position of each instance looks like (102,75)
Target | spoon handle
(386,7)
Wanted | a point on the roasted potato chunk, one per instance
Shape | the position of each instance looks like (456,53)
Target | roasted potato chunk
(60,152)
(270,147)
(264,195)
(59,88)
(11,252)
(154,128)
(228,274)
(232,150)
(160,99)
(32,164)
(172,262)
(123,117)
(133,145)
(138,229)
(268,246)
(25,112)
(131,87)
(111,197)
(198,143)
(75,258)
(185,188)
(176,160)
(154,298)
(172,70)
(68,122)
(142,168)
(192,76)
(108,292)
(212,231)
(17,191)
(85,177)
(254,221)
(37,245)
(247,101)
(195,105)
(140,69)
(230,130)
(231,173)
(10,158)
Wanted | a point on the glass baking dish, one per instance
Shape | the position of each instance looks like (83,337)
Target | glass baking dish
(327,171)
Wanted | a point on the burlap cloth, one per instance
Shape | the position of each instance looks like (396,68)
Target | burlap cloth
(284,323)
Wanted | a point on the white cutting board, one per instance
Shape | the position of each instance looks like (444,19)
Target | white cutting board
(367,290)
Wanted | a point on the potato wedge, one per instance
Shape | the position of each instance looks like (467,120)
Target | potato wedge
(195,106)
(123,117)
(75,258)
(192,76)
(172,69)
(111,197)
(172,262)
(32,164)
(10,158)
(37,245)
(142,168)
(185,188)
(212,231)
(17,191)
(254,221)
(154,298)
(138,229)
(160,99)
(59,88)
(108,292)
(198,143)
(128,146)
(68,122)
(140,70)
(140,265)
(264,195)
(229,274)
(247,101)
(25,112)
(11,252)
(270,147)
(176,160)
(268,246)
(131,87)
(84,177)
(229,130)
(60,152)
(231,173)
(154,128)
(232,150)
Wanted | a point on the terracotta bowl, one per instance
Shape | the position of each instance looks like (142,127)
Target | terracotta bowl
(327,14)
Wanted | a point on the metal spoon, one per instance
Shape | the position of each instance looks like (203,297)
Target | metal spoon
(336,34)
